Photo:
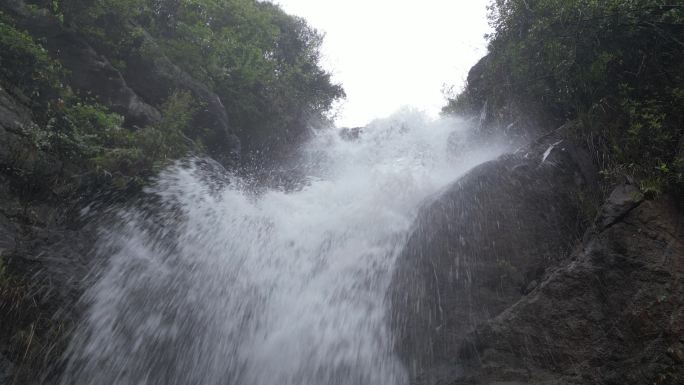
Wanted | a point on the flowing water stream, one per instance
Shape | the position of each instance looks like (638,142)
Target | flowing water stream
(210,283)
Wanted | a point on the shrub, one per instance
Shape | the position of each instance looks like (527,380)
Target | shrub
(25,66)
(137,155)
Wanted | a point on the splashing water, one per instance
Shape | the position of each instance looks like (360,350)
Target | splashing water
(215,285)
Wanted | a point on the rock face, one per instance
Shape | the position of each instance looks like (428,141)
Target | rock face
(481,245)
(487,293)
(91,72)
(612,314)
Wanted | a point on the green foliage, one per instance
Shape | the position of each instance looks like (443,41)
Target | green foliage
(167,140)
(25,65)
(91,143)
(132,156)
(85,138)
(90,134)
(614,66)
(263,63)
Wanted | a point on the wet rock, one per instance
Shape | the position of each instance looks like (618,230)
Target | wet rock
(478,246)
(613,314)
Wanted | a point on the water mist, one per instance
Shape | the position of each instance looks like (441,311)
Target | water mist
(215,285)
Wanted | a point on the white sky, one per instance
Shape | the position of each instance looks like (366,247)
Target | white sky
(393,53)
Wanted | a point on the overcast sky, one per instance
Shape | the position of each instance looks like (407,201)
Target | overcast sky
(393,53)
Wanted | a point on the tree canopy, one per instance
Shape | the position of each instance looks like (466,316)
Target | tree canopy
(613,68)
(262,62)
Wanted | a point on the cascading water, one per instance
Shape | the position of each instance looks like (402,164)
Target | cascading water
(216,285)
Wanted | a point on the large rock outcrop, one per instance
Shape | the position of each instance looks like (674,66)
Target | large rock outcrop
(484,243)
(497,284)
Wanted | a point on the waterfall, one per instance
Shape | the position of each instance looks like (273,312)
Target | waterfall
(211,283)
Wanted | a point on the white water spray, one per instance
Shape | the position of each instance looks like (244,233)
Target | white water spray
(216,286)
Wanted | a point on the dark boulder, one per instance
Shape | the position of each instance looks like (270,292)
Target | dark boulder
(482,244)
